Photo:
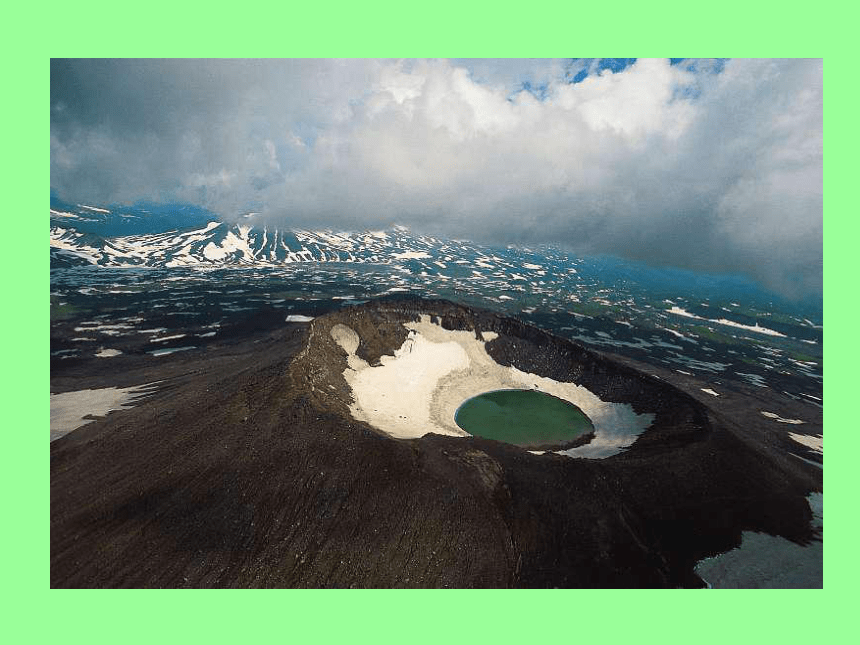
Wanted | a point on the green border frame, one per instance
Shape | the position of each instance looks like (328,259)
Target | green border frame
(37,31)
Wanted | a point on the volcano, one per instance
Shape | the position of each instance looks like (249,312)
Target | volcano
(327,455)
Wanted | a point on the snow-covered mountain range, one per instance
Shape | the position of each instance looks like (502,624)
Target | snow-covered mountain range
(177,236)
(221,244)
(77,238)
(88,235)
(712,324)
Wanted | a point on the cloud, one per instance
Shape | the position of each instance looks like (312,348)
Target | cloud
(707,166)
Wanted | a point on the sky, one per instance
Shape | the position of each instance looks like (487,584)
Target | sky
(709,165)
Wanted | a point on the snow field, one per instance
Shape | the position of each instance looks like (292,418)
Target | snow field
(418,389)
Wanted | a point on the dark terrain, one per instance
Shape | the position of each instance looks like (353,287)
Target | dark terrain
(246,469)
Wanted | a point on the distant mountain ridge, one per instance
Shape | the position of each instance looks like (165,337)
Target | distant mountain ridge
(77,237)
(183,235)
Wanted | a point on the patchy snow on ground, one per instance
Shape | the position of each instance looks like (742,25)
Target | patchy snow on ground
(815,442)
(298,318)
(107,353)
(102,327)
(756,328)
(753,379)
(692,363)
(164,338)
(678,311)
(709,391)
(171,350)
(420,388)
(56,213)
(682,312)
(678,334)
(68,409)
(412,255)
(92,208)
(765,561)
(779,419)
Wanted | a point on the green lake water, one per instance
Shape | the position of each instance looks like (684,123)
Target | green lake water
(522,417)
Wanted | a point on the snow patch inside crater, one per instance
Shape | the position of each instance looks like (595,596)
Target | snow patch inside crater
(418,389)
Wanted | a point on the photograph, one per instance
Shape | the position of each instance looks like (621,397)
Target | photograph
(454,323)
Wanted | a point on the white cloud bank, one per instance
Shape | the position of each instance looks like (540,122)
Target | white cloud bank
(718,171)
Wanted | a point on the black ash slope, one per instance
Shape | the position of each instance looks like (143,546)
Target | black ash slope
(249,471)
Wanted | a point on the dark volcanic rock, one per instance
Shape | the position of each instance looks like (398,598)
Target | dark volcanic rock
(254,474)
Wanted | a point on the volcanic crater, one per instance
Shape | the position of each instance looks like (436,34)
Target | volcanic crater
(331,459)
